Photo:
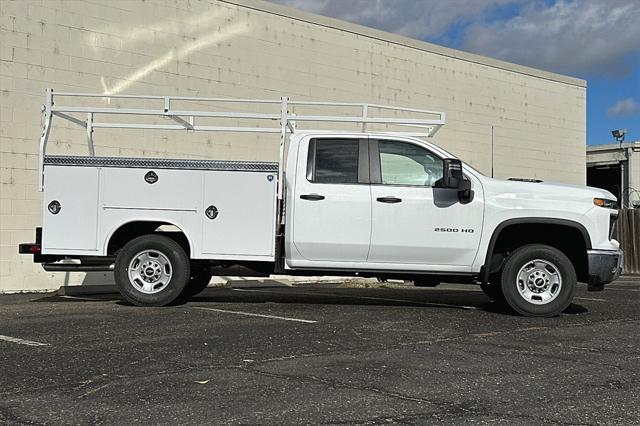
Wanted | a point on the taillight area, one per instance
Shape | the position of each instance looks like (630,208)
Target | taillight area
(29,248)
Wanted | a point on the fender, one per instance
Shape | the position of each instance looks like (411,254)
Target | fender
(163,221)
(484,270)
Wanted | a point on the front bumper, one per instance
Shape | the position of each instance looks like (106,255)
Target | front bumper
(604,267)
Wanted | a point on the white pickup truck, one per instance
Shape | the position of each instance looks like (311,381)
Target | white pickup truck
(384,204)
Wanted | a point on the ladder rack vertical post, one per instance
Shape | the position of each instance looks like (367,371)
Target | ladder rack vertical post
(92,152)
(48,116)
(365,114)
(284,118)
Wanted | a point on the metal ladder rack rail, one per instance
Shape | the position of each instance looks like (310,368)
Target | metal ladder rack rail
(186,119)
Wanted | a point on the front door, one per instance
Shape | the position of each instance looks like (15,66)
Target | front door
(414,222)
(332,201)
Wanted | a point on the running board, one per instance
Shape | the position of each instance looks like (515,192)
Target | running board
(76,267)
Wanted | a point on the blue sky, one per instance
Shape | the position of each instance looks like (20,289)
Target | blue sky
(597,40)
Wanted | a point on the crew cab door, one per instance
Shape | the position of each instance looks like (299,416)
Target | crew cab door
(415,223)
(331,213)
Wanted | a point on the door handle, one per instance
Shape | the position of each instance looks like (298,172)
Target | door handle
(312,197)
(389,200)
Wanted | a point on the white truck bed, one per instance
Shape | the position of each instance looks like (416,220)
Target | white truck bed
(98,195)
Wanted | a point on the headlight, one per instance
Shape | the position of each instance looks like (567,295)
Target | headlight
(603,202)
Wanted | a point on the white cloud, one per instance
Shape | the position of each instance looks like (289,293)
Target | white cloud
(624,108)
(577,37)
(420,19)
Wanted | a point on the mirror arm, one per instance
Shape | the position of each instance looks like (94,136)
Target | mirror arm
(465,193)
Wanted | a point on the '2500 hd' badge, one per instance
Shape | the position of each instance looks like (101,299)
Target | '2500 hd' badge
(464,230)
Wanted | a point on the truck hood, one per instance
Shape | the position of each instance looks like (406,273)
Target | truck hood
(545,191)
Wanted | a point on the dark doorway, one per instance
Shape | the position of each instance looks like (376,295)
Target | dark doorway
(606,177)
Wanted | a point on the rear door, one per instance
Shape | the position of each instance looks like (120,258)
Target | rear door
(332,201)
(415,223)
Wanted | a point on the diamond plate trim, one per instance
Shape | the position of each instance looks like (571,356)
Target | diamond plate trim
(159,163)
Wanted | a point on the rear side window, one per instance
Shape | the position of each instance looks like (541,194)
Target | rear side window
(333,160)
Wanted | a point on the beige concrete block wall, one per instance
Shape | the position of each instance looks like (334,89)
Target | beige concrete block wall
(248,48)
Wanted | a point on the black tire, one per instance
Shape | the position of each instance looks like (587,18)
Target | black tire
(199,280)
(493,290)
(174,273)
(557,265)
(426,282)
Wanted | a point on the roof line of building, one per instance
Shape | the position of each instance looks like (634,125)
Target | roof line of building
(613,146)
(289,12)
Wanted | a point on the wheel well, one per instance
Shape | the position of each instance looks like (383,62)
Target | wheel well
(569,239)
(131,230)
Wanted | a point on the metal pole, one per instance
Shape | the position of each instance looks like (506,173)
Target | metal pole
(284,117)
(92,152)
(46,109)
(492,151)
(365,114)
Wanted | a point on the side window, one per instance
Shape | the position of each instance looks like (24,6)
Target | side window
(333,160)
(403,163)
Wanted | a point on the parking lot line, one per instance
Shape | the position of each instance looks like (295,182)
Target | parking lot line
(250,314)
(591,299)
(21,341)
(371,298)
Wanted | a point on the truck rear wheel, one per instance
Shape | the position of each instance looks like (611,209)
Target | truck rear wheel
(151,270)
(538,281)
(198,281)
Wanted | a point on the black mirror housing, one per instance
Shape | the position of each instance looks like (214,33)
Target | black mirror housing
(452,173)
(453,178)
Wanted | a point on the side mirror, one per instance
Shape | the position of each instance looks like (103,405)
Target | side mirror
(453,178)
(452,173)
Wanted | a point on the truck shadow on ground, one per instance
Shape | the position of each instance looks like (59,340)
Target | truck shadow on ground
(431,299)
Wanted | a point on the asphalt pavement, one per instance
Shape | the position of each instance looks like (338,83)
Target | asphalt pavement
(320,354)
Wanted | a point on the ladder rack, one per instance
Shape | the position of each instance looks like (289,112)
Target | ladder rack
(283,114)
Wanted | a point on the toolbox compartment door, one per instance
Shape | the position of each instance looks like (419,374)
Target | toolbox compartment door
(76,190)
(243,222)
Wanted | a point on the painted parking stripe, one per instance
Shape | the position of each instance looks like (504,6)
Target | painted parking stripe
(251,314)
(591,299)
(445,305)
(21,341)
(621,289)
(85,298)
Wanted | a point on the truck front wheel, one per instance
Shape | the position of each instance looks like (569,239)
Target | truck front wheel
(493,290)
(151,270)
(538,281)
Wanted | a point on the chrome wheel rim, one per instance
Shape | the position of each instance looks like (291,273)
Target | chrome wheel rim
(539,282)
(150,271)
